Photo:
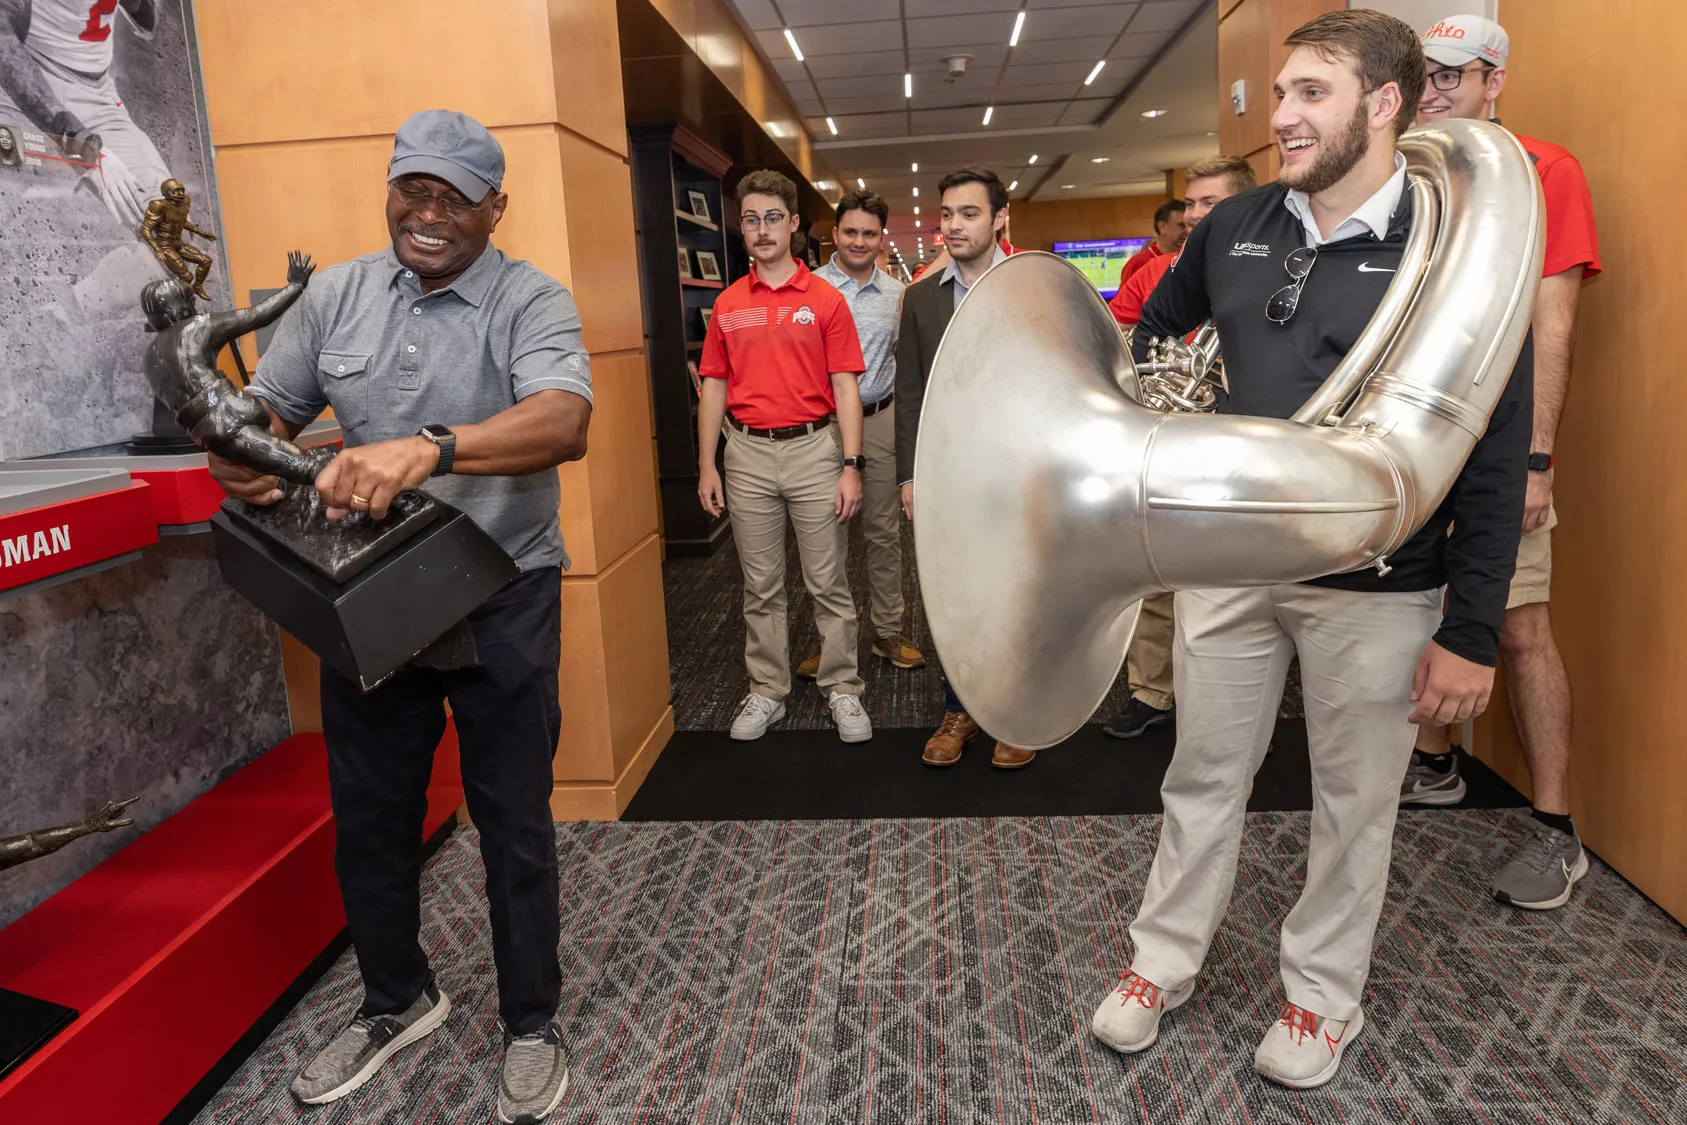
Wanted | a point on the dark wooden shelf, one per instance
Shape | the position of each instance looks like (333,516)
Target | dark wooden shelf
(699,283)
(690,218)
(694,346)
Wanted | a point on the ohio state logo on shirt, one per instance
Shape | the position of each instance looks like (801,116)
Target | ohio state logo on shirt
(804,315)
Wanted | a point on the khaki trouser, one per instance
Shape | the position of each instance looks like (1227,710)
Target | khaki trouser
(1358,652)
(766,481)
(1148,663)
(881,523)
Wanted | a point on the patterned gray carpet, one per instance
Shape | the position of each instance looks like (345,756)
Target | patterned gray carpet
(706,646)
(945,971)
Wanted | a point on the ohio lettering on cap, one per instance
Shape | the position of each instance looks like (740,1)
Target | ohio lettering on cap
(1458,40)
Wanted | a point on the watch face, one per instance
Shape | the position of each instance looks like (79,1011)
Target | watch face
(433,429)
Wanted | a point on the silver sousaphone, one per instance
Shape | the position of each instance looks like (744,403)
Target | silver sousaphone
(1049,500)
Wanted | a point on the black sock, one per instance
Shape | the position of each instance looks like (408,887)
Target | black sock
(1560,821)
(1440,763)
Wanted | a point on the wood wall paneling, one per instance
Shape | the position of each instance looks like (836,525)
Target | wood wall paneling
(1618,607)
(609,498)
(1244,52)
(602,249)
(585,53)
(264,61)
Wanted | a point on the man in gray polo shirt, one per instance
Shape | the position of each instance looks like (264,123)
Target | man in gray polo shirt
(875,300)
(457,370)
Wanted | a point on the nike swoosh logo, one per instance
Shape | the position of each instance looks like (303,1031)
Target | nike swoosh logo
(1366,267)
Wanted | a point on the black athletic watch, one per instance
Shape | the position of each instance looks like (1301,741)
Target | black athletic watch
(447,443)
(859,463)
(1540,462)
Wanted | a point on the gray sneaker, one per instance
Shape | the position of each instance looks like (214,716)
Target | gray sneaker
(367,1042)
(1543,870)
(1426,785)
(535,1076)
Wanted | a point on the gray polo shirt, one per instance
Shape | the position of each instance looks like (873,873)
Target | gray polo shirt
(877,307)
(365,340)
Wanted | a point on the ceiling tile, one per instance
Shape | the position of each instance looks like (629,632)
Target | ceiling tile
(1100,22)
(987,11)
(1078,4)
(790,71)
(883,36)
(1027,116)
(756,14)
(1166,15)
(872,103)
(1025,75)
(809,13)
(857,127)
(1057,50)
(946,120)
(1139,45)
(859,64)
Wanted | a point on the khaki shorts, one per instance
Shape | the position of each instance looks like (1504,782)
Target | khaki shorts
(1533,580)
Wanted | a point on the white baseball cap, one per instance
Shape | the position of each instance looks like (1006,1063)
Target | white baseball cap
(1458,40)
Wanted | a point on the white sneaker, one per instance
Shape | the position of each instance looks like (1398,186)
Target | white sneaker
(1303,1049)
(1129,1019)
(851,717)
(755,715)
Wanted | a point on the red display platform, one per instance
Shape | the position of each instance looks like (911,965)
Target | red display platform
(175,946)
(41,543)
(182,496)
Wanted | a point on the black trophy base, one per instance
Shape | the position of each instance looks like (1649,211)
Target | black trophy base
(341,549)
(27,1025)
(166,436)
(402,588)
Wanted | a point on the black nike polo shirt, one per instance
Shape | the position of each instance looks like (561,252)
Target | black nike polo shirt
(1231,265)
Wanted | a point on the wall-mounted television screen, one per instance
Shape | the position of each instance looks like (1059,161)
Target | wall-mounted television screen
(1100,260)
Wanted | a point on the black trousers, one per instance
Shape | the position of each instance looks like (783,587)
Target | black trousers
(380,755)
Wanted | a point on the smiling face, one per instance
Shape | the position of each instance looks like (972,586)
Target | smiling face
(1478,87)
(859,237)
(1325,122)
(436,231)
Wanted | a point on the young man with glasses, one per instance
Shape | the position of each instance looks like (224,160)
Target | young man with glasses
(1291,274)
(781,365)
(875,300)
(1467,69)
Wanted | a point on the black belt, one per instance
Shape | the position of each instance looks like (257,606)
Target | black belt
(780,433)
(871,409)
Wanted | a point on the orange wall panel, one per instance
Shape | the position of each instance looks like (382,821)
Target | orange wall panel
(585,49)
(602,250)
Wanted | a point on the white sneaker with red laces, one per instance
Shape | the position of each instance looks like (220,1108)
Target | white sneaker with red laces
(1303,1049)
(1129,1019)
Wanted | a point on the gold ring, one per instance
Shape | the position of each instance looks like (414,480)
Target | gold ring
(356,499)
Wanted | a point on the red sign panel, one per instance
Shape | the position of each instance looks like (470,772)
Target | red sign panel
(41,542)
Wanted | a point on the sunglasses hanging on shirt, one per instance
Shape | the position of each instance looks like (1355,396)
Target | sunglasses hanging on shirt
(1286,300)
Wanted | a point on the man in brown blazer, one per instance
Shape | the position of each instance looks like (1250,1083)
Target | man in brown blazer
(974,210)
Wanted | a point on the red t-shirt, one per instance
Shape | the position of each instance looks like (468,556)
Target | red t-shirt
(1133,294)
(1570,236)
(777,348)
(1137,261)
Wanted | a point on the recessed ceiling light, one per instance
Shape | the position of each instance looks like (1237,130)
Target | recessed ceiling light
(1153,113)
(916,210)
(1033,159)
(1100,159)
(916,166)
(1013,185)
(860,183)
(832,125)
(792,40)
(907,85)
(1067,187)
(916,224)
(1018,22)
(916,193)
(988,110)
(1095,72)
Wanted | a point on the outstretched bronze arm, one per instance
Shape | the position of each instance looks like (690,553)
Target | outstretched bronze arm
(232,325)
(33,845)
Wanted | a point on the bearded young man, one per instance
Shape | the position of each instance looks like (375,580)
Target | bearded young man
(1370,646)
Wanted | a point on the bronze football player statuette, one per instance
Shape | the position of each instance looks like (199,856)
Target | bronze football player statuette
(33,845)
(181,366)
(162,227)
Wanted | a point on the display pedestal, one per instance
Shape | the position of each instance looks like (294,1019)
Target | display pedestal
(26,1025)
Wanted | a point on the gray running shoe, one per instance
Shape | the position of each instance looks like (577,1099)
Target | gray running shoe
(1425,785)
(535,1076)
(368,1041)
(1543,870)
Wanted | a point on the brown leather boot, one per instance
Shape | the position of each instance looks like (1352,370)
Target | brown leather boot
(899,652)
(1011,757)
(810,668)
(944,747)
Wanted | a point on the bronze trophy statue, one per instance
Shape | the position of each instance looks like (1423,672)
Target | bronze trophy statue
(162,228)
(33,845)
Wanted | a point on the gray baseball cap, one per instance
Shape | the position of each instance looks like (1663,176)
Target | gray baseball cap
(452,146)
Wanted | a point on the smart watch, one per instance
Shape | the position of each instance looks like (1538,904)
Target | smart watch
(442,437)
(1540,462)
(858,462)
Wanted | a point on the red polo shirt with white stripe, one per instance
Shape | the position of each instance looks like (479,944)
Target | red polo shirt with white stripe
(777,348)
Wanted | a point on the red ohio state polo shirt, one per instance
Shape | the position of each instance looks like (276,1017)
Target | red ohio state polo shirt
(778,347)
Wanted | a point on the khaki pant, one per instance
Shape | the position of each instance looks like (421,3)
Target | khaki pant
(766,481)
(881,523)
(1532,581)
(1148,664)
(1358,652)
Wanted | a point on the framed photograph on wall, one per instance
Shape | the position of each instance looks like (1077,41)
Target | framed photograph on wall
(707,267)
(699,205)
(685,263)
(706,313)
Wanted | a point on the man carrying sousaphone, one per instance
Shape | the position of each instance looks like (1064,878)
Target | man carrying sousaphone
(1291,273)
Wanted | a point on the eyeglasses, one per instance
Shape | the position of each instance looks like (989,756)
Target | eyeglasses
(1450,78)
(753,221)
(455,207)
(1286,300)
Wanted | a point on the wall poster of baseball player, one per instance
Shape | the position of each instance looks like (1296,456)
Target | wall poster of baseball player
(100,106)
